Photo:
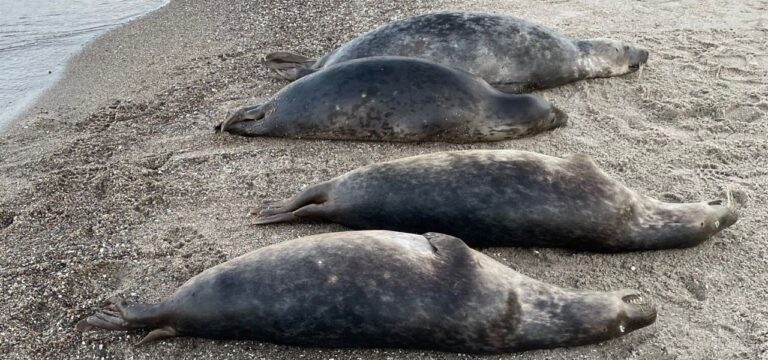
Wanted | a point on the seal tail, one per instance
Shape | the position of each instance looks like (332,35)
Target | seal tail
(289,66)
(309,203)
(117,315)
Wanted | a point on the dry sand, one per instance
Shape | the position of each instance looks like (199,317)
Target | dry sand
(116,184)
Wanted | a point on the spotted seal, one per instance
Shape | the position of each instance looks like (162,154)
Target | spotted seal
(380,289)
(395,99)
(510,53)
(505,198)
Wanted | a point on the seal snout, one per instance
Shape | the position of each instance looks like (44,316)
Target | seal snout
(640,312)
(637,58)
(558,117)
(725,214)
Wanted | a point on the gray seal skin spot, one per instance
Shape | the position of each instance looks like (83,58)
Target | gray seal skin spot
(395,99)
(380,289)
(510,53)
(505,198)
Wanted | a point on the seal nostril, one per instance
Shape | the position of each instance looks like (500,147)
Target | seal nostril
(634,299)
(643,309)
(716,202)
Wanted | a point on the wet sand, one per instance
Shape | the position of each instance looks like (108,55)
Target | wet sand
(116,184)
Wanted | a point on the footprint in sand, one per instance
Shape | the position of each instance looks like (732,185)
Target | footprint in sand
(6,218)
(709,171)
(743,113)
(672,197)
(736,61)
(695,284)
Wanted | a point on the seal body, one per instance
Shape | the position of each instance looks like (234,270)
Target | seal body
(395,99)
(505,198)
(510,53)
(381,289)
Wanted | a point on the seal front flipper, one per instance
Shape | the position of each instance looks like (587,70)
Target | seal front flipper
(446,245)
(521,115)
(255,112)
(118,315)
(289,66)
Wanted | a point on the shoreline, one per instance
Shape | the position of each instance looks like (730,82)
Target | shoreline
(25,105)
(116,183)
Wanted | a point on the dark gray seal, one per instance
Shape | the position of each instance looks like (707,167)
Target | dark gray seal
(395,99)
(380,289)
(505,198)
(511,54)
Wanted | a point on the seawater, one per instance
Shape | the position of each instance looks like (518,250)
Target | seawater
(38,37)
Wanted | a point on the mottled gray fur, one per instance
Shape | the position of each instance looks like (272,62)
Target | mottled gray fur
(380,289)
(395,99)
(505,198)
(510,53)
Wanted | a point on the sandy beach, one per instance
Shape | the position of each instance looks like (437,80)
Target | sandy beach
(115,183)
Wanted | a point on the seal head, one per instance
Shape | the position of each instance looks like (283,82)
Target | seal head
(606,57)
(675,225)
(585,315)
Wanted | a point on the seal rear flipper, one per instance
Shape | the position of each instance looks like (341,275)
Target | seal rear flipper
(292,74)
(276,218)
(289,66)
(285,59)
(118,315)
(307,204)
(157,334)
(105,319)
(256,112)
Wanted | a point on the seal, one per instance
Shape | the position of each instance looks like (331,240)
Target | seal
(505,198)
(510,53)
(380,289)
(395,99)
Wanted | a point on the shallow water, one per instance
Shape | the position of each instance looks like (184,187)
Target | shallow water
(37,37)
